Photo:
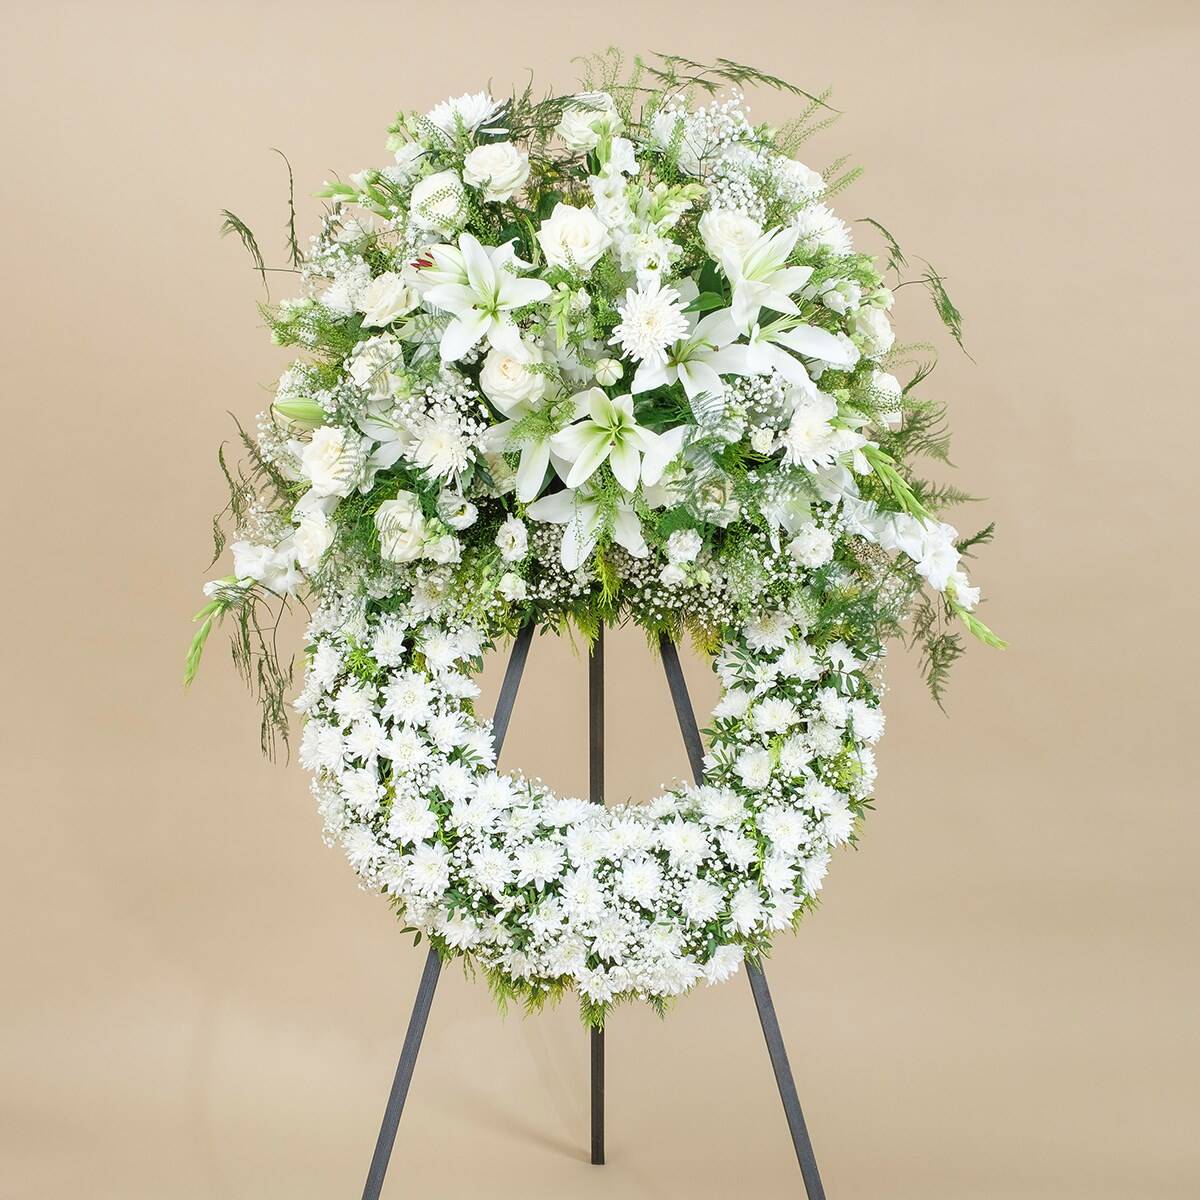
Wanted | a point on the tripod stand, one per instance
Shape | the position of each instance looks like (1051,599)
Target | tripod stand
(758,982)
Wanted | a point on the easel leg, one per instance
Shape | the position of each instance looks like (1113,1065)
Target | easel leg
(433,964)
(404,1074)
(686,717)
(596,795)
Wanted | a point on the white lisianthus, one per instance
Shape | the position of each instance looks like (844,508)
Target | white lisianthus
(513,540)
(445,548)
(841,295)
(387,298)
(583,124)
(401,528)
(409,156)
(509,380)
(512,587)
(456,511)
(622,159)
(499,168)
(875,329)
(673,574)
(332,461)
(438,203)
(684,545)
(573,238)
(727,231)
(812,546)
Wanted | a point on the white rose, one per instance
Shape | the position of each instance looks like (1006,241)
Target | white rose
(499,168)
(508,380)
(313,536)
(401,528)
(512,538)
(513,587)
(574,238)
(812,546)
(582,124)
(876,330)
(438,203)
(608,371)
(331,461)
(728,232)
(683,545)
(444,549)
(457,511)
(387,298)
(762,440)
(372,365)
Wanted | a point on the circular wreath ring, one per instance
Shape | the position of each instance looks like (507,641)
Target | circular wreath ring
(547,893)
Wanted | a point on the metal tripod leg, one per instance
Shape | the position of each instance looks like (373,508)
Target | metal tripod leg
(433,964)
(686,716)
(596,795)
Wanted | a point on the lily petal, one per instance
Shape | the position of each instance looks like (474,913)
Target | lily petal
(535,456)
(651,375)
(626,465)
(665,448)
(593,452)
(462,334)
(627,531)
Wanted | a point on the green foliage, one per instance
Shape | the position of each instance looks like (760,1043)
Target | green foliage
(231,223)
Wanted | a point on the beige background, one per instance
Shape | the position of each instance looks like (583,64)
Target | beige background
(999,997)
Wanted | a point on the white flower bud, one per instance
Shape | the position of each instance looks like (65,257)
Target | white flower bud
(608,371)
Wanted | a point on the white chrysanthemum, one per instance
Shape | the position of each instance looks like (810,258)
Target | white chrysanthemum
(469,111)
(652,318)
(820,226)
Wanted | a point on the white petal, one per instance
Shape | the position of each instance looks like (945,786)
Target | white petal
(626,464)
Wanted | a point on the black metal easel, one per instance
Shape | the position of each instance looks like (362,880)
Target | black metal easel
(758,981)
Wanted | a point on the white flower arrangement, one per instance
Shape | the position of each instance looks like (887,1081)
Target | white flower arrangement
(601,357)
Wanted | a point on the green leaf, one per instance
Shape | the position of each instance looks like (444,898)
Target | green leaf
(896,258)
(706,301)
(234,224)
(293,244)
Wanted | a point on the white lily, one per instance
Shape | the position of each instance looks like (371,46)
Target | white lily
(769,346)
(583,514)
(482,304)
(534,451)
(761,278)
(699,359)
(608,432)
